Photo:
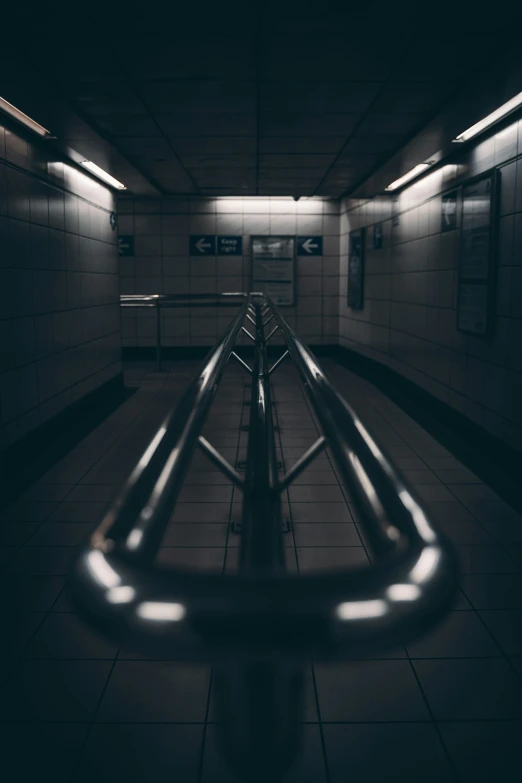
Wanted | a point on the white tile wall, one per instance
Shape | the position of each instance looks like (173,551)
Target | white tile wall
(408,321)
(162,263)
(59,317)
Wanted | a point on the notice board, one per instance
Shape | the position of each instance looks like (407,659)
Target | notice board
(273,268)
(477,255)
(356,270)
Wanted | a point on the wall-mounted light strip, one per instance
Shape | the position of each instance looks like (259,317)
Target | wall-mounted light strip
(410,175)
(23,118)
(495,116)
(98,172)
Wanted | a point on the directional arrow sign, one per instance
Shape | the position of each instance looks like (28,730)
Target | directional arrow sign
(202,245)
(309,246)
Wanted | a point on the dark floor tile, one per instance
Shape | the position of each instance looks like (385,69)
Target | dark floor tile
(330,558)
(208,494)
(141,752)
(369,691)
(206,478)
(46,492)
(192,534)
(493,591)
(457,476)
(27,511)
(483,751)
(448,512)
(516,663)
(309,709)
(464,532)
(483,689)
(17,533)
(373,753)
(41,751)
(320,512)
(62,534)
(307,768)
(506,627)
(459,635)
(114,477)
(316,493)
(67,636)
(43,560)
(430,493)
(192,558)
(53,690)
(31,593)
(491,559)
(7,554)
(201,512)
(421,477)
(17,630)
(78,512)
(315,477)
(93,493)
(326,534)
(150,691)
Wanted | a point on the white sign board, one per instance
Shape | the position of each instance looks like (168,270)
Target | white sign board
(273,268)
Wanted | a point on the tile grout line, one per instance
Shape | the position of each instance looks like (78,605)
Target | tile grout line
(201,762)
(432,718)
(316,692)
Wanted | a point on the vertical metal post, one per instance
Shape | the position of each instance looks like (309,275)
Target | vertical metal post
(258,703)
(158,336)
(261,546)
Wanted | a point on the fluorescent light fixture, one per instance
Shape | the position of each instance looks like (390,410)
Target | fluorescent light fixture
(410,175)
(23,118)
(98,172)
(495,116)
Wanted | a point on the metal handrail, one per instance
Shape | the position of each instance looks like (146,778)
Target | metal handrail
(161,301)
(259,614)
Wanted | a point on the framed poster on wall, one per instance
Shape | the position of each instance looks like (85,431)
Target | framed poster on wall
(273,268)
(356,270)
(476,283)
(448,218)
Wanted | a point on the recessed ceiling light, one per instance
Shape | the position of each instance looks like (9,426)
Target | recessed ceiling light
(23,118)
(491,119)
(98,172)
(409,176)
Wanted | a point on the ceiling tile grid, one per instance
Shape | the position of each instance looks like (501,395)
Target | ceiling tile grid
(280,101)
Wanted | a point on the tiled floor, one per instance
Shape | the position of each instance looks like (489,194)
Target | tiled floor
(74,708)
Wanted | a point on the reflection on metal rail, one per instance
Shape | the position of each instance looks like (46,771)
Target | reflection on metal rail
(261,626)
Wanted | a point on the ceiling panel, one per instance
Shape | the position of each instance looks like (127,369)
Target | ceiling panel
(290,101)
(296,161)
(210,145)
(375,124)
(317,96)
(301,144)
(307,124)
(200,124)
(214,161)
(200,96)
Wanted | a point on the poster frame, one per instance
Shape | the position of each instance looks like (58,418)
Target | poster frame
(276,236)
(489,281)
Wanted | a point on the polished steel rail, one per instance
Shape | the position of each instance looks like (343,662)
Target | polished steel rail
(260,627)
(262,613)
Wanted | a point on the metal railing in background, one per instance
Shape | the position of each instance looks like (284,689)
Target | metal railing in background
(158,302)
(261,626)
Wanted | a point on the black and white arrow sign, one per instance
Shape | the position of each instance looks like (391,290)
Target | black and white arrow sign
(309,246)
(202,245)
